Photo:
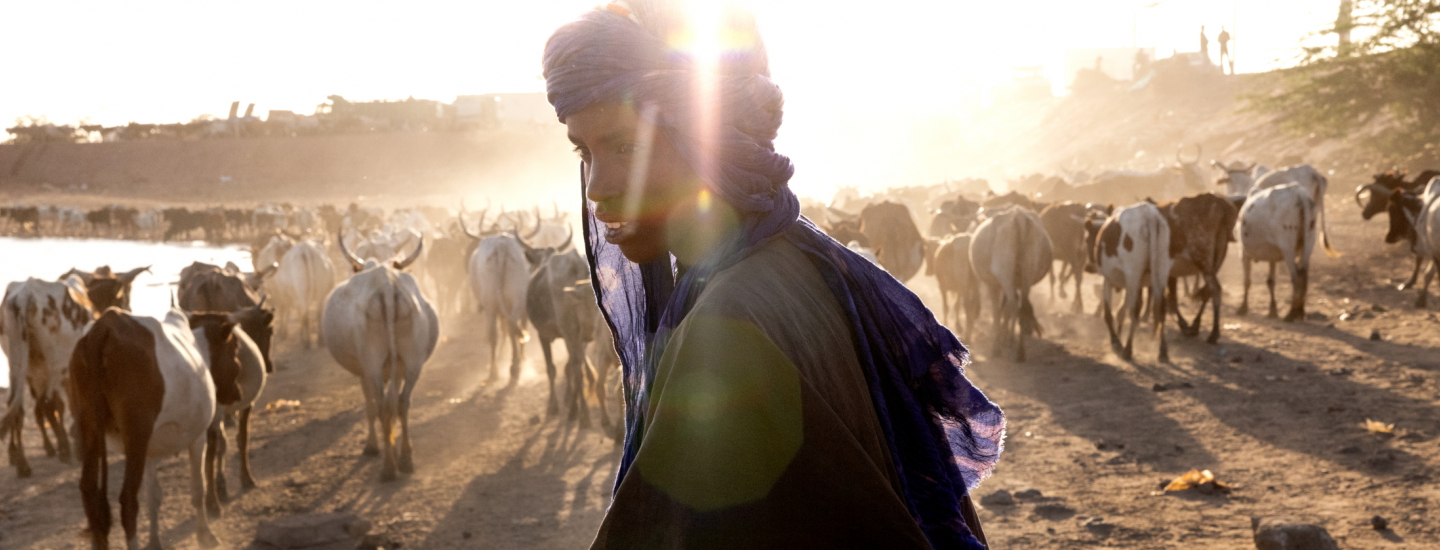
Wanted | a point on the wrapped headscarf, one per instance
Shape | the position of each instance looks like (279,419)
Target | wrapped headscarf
(943,434)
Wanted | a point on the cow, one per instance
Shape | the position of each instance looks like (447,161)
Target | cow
(27,217)
(844,227)
(236,361)
(380,328)
(300,284)
(182,221)
(1417,219)
(209,288)
(953,216)
(145,385)
(106,289)
(40,321)
(1129,249)
(949,263)
(1312,182)
(555,315)
(1065,225)
(1009,253)
(1201,230)
(1239,177)
(1374,198)
(1124,186)
(499,271)
(891,233)
(1278,224)
(605,361)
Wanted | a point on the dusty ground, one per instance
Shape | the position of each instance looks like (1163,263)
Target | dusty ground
(1274,410)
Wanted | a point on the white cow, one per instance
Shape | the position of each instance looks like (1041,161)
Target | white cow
(1278,224)
(1239,178)
(1010,252)
(40,322)
(379,327)
(1426,222)
(1132,248)
(499,277)
(299,286)
(1313,182)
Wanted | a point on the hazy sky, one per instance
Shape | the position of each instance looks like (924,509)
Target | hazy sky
(170,61)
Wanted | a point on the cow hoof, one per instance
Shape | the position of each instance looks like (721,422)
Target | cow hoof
(49,451)
(1421,303)
(1272,315)
(247,483)
(23,471)
(1212,339)
(212,508)
(371,450)
(407,466)
(155,544)
(387,475)
(205,539)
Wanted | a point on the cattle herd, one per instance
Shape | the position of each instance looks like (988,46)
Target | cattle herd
(157,387)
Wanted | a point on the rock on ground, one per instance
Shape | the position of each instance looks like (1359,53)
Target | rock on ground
(336,530)
(1285,534)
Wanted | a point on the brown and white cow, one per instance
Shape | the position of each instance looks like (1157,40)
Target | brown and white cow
(1065,224)
(891,233)
(1010,253)
(235,361)
(210,288)
(1277,224)
(1201,230)
(40,321)
(144,385)
(1130,250)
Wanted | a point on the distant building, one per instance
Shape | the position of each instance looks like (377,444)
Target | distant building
(1116,63)
(503,110)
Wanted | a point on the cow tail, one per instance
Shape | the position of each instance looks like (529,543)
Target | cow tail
(388,303)
(1159,278)
(1300,256)
(1320,206)
(90,409)
(1023,308)
(19,357)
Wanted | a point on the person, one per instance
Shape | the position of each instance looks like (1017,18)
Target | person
(1142,63)
(780,390)
(1224,40)
(1204,45)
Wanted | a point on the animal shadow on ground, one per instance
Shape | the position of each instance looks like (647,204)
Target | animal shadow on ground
(1095,401)
(1294,405)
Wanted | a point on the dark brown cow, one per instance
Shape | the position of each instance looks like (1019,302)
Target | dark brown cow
(205,287)
(1374,198)
(949,262)
(1201,230)
(1065,224)
(106,289)
(237,367)
(892,234)
(128,376)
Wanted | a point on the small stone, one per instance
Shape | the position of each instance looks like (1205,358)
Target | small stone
(1341,372)
(1159,387)
(1284,534)
(1054,512)
(1375,335)
(1236,359)
(534,420)
(1377,308)
(1029,494)
(465,535)
(1316,316)
(1379,523)
(998,498)
(312,530)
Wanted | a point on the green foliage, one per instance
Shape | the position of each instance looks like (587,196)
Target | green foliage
(1386,80)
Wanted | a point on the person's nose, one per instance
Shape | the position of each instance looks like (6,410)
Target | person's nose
(601,183)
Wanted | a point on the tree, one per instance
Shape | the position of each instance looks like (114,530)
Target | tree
(1380,74)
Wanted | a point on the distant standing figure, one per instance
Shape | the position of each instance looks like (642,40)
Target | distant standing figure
(1224,40)
(1204,45)
(1142,62)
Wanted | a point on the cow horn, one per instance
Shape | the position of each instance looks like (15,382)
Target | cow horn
(1251,167)
(295,236)
(517,237)
(569,239)
(1371,187)
(268,271)
(129,276)
(466,228)
(355,263)
(535,231)
(556,206)
(402,264)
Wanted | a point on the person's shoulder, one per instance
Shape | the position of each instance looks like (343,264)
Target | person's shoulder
(776,268)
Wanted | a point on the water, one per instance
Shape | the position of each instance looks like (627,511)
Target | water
(150,294)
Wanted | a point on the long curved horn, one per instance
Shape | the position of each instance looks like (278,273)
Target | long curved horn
(355,264)
(292,235)
(556,206)
(1372,188)
(535,231)
(129,276)
(569,239)
(466,228)
(517,237)
(402,264)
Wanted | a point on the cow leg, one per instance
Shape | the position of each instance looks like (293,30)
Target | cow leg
(57,423)
(212,445)
(1158,296)
(492,337)
(1212,282)
(1110,321)
(1133,305)
(407,461)
(17,447)
(305,328)
(553,406)
(388,410)
(153,499)
(1414,275)
(1079,306)
(1245,295)
(1270,284)
(1175,305)
(1020,314)
(203,536)
(517,351)
(94,474)
(1420,302)
(372,411)
(242,442)
(1299,284)
(42,418)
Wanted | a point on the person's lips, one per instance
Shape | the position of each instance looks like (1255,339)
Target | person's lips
(618,232)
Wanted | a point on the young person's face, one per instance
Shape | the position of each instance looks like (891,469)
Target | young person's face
(647,196)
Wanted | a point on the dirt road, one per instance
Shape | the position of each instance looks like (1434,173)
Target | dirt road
(1275,410)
